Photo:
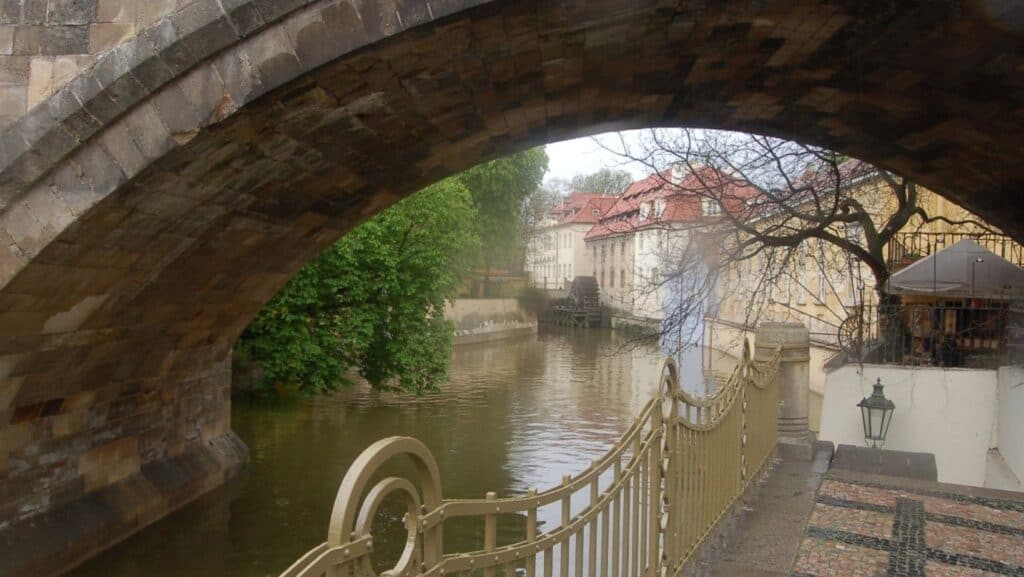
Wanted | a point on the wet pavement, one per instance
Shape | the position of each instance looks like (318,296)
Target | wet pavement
(768,533)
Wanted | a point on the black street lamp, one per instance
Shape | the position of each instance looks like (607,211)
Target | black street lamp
(876,412)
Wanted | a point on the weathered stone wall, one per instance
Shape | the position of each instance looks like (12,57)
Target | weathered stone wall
(44,44)
(152,205)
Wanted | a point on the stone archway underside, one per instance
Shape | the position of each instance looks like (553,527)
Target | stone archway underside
(149,209)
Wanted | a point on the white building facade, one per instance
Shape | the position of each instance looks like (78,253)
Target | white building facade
(557,252)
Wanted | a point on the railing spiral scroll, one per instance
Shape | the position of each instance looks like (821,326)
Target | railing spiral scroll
(652,499)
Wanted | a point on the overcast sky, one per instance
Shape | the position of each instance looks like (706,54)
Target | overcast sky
(583,156)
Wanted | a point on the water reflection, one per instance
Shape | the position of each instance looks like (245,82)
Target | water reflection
(516,414)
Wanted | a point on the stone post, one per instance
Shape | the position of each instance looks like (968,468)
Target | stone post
(794,380)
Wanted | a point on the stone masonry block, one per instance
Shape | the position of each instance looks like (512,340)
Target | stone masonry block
(65,68)
(12,102)
(103,37)
(204,30)
(148,131)
(33,11)
(175,111)
(203,88)
(343,19)
(118,141)
(26,40)
(244,16)
(64,39)
(40,80)
(99,168)
(50,142)
(151,11)
(315,42)
(109,463)
(71,12)
(273,57)
(120,11)
(6,40)
(274,9)
(146,64)
(14,70)
(239,77)
(67,110)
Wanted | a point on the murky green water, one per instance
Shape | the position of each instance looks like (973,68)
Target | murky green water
(516,414)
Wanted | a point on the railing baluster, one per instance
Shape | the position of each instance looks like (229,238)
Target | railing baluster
(654,496)
(592,530)
(549,561)
(490,531)
(617,521)
(645,492)
(686,476)
(563,548)
(638,474)
(604,540)
(531,533)
(579,551)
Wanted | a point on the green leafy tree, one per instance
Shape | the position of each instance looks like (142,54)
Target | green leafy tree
(604,181)
(374,301)
(499,189)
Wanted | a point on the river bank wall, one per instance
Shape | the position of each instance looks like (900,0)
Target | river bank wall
(487,320)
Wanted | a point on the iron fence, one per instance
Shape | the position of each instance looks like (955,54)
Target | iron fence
(907,246)
(676,470)
(971,333)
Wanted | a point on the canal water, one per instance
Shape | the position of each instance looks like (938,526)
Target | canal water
(516,414)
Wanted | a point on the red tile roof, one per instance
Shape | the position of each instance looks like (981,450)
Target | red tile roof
(682,201)
(584,208)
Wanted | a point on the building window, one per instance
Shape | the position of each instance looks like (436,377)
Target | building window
(622,278)
(645,209)
(659,207)
(711,207)
(622,248)
(611,278)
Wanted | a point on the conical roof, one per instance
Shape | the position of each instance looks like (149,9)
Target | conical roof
(963,270)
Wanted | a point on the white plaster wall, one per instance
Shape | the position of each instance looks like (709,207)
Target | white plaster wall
(946,412)
(580,261)
(1010,416)
(648,298)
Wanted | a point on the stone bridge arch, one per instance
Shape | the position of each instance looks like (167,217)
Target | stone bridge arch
(153,203)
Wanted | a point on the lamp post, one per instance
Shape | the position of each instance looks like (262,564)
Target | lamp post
(876,414)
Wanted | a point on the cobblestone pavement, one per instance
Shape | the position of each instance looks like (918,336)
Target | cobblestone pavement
(870,529)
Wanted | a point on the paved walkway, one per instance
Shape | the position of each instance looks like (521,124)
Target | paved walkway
(881,526)
(767,536)
(808,520)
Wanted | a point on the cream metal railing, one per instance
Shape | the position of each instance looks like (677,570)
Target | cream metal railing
(671,476)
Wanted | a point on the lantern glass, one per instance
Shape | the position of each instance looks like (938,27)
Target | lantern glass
(876,416)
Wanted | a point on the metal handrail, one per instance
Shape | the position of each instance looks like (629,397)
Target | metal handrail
(689,459)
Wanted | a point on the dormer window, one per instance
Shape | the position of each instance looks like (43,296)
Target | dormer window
(645,209)
(659,207)
(595,212)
